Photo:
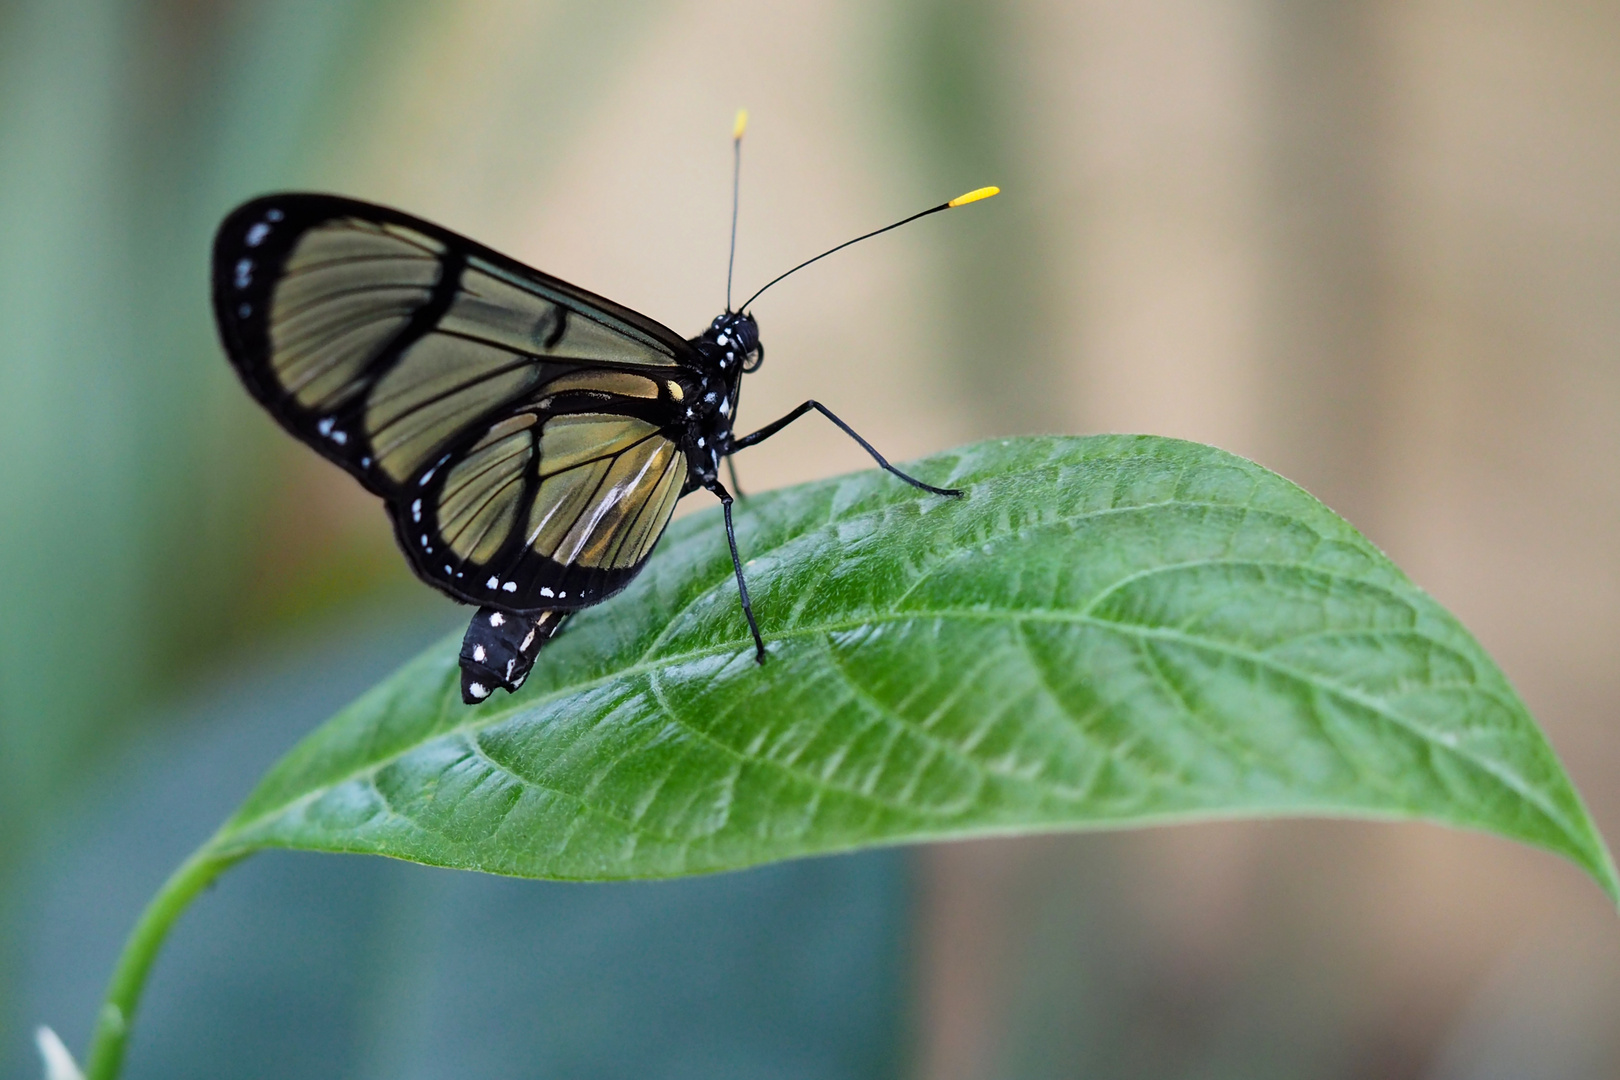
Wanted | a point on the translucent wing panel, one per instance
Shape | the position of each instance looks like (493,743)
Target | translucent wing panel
(634,534)
(609,484)
(569,441)
(478,503)
(434,395)
(347,289)
(528,316)
(616,383)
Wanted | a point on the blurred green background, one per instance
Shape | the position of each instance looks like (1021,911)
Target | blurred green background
(1373,245)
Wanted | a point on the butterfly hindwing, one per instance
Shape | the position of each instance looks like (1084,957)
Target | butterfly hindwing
(555,510)
(521,430)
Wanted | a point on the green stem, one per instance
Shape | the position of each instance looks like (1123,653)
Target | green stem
(135,963)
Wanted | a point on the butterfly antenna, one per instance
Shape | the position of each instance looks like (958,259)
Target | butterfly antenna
(961,200)
(737,130)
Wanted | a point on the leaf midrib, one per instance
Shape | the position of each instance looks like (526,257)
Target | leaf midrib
(1509,779)
(1021,532)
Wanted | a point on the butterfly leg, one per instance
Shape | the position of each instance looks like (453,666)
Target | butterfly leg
(724,496)
(777,425)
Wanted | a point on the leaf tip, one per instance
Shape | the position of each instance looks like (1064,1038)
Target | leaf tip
(1603,870)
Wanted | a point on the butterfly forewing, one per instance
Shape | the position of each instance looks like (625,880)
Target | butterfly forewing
(343,294)
(535,315)
(435,392)
(521,430)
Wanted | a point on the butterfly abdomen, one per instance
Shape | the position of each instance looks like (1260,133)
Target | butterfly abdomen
(500,648)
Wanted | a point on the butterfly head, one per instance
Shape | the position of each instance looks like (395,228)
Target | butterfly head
(735,335)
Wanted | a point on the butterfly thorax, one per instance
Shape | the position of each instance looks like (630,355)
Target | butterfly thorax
(729,347)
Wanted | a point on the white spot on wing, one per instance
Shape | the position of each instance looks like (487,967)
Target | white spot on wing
(256,235)
(244,273)
(493,583)
(416,510)
(478,653)
(477,690)
(325,426)
(545,590)
(510,586)
(272,215)
(496,618)
(527,642)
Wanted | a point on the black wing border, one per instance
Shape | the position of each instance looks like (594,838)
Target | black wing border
(245,337)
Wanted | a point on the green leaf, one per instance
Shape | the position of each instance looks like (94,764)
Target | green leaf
(1106,631)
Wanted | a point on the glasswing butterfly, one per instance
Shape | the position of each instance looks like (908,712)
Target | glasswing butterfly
(529,438)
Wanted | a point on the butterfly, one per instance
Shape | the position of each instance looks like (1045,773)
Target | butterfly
(528,438)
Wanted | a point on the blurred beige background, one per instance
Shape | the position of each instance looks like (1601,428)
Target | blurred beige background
(1374,246)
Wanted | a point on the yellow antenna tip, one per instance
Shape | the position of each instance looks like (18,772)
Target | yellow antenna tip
(974,196)
(741,125)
